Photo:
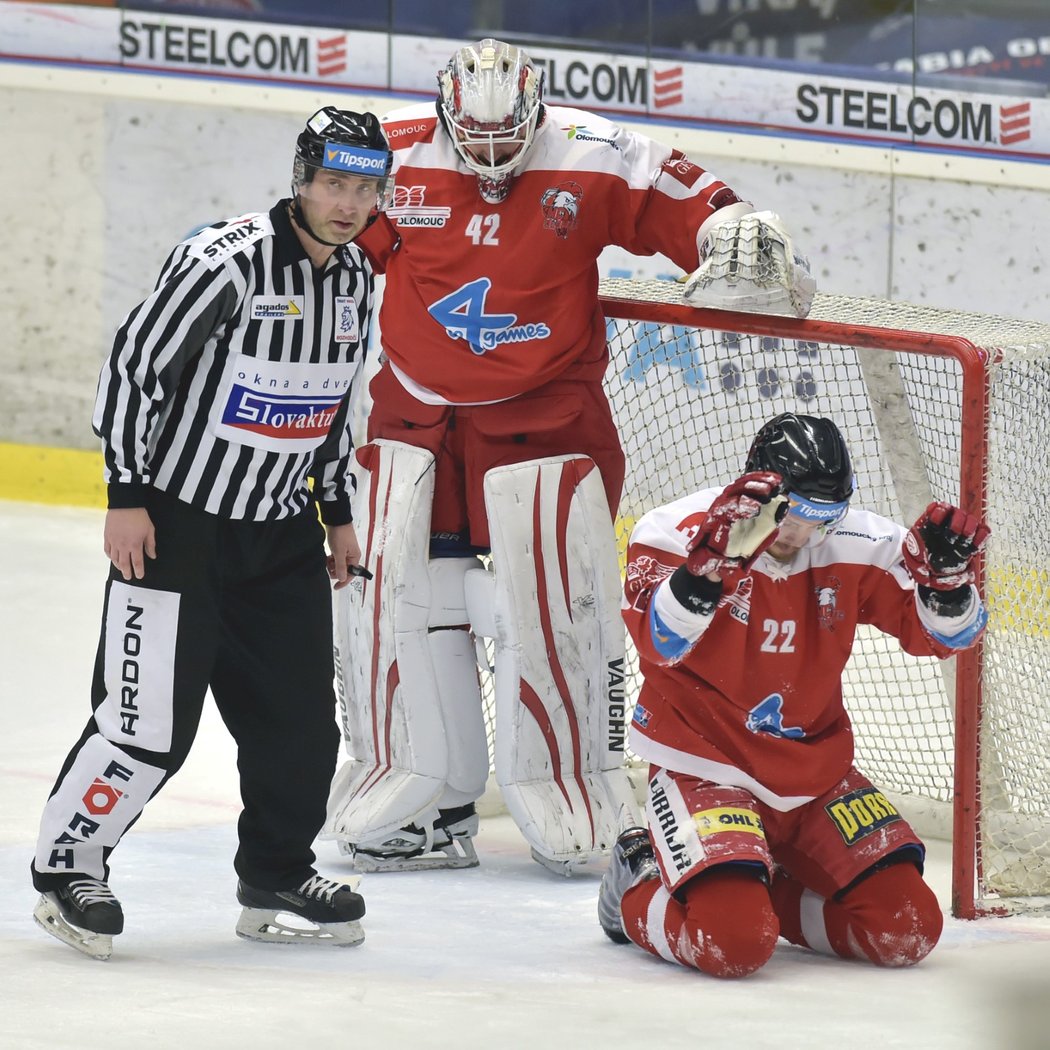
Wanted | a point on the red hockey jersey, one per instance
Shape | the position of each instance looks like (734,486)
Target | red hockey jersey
(751,696)
(486,301)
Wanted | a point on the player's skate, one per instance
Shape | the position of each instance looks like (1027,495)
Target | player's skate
(448,843)
(332,910)
(632,861)
(83,914)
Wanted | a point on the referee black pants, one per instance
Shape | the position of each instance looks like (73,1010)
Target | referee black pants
(243,608)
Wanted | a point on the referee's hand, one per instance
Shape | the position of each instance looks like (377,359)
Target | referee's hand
(128,539)
(344,561)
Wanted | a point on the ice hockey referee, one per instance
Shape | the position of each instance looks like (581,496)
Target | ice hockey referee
(226,391)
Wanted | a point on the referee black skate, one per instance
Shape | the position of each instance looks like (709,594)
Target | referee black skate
(228,391)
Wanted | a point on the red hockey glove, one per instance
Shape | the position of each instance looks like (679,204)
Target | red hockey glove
(740,525)
(940,547)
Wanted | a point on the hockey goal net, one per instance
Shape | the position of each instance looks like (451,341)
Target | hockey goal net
(934,405)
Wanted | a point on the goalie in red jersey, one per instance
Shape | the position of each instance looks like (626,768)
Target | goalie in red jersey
(491,432)
(743,604)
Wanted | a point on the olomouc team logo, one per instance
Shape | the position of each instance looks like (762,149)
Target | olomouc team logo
(561,208)
(409,208)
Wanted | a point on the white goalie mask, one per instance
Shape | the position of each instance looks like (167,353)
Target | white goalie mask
(490,99)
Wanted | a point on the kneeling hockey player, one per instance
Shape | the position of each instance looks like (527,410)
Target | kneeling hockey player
(743,604)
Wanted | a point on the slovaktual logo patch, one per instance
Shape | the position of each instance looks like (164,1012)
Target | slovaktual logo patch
(280,406)
(278,417)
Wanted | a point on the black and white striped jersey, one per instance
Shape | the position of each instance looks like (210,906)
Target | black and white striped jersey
(234,381)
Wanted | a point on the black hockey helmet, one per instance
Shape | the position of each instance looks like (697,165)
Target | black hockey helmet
(810,454)
(329,128)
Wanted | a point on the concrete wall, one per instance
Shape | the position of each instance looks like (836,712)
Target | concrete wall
(102,173)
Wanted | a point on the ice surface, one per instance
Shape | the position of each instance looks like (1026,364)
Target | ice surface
(504,956)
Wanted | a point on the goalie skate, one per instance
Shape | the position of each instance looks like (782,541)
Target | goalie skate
(447,844)
(319,912)
(85,915)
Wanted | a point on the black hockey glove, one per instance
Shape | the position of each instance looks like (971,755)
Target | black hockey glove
(939,550)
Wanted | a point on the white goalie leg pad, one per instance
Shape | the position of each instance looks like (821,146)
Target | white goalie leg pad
(560,731)
(392,713)
(444,841)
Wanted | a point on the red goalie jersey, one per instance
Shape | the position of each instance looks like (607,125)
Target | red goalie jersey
(751,695)
(479,308)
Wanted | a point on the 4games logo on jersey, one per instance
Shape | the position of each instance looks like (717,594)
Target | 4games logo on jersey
(462,315)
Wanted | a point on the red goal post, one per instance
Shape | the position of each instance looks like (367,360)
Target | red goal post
(935,405)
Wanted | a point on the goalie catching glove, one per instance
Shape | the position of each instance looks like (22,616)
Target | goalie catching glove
(740,524)
(940,547)
(750,263)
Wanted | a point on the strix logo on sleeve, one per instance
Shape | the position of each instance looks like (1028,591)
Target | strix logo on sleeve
(214,247)
(644,574)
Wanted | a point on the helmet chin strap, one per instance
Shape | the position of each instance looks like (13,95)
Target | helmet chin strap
(300,218)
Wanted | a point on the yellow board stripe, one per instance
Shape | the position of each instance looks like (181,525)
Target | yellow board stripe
(1019,600)
(37,474)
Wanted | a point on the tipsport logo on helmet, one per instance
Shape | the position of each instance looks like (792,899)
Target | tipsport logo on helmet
(822,513)
(355,160)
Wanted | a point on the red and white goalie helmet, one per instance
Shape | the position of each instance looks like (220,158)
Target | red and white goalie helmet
(490,99)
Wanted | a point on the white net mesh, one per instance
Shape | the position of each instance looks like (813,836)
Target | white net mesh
(1015,728)
(688,401)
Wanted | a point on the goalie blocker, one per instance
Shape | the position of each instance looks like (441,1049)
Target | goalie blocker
(411,696)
